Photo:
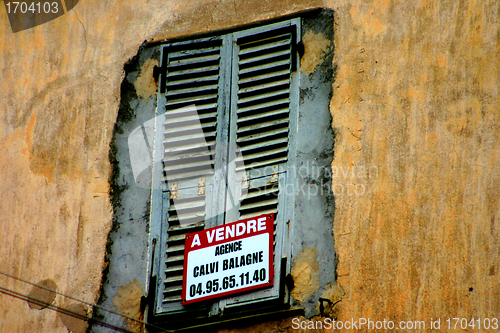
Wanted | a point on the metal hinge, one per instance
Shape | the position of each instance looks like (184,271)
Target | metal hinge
(202,182)
(274,174)
(174,194)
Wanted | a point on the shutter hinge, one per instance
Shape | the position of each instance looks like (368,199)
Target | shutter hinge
(201,186)
(297,50)
(174,194)
(244,181)
(156,75)
(274,174)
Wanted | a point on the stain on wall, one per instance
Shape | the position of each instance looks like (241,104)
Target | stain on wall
(75,322)
(42,295)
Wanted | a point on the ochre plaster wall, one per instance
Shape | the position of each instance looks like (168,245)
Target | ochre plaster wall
(59,97)
(415,102)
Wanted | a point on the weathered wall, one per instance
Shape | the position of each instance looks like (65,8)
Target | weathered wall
(59,97)
(415,102)
(416,99)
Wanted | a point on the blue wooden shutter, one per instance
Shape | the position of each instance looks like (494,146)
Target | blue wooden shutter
(264,99)
(227,113)
(190,131)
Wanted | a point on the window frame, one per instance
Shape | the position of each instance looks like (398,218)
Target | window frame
(160,197)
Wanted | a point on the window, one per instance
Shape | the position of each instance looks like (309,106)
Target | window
(226,120)
(241,129)
(240,132)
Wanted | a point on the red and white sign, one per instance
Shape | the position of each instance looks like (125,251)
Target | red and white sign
(228,259)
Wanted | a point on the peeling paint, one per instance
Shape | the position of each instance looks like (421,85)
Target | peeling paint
(332,293)
(128,302)
(315,46)
(145,84)
(305,275)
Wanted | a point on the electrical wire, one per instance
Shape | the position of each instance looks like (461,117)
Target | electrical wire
(56,308)
(71,313)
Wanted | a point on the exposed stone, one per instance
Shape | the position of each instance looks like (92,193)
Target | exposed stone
(305,275)
(329,300)
(145,84)
(128,302)
(315,45)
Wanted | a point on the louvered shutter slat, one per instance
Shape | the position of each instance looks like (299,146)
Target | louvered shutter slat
(260,145)
(258,115)
(189,130)
(261,163)
(175,258)
(190,154)
(172,290)
(264,211)
(194,52)
(262,126)
(264,42)
(174,269)
(264,77)
(179,207)
(194,60)
(195,99)
(192,117)
(181,228)
(267,120)
(203,69)
(173,114)
(262,203)
(256,153)
(264,96)
(189,90)
(175,238)
(272,84)
(180,148)
(208,79)
(283,102)
(279,53)
(265,66)
(185,216)
(176,248)
(175,279)
(197,164)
